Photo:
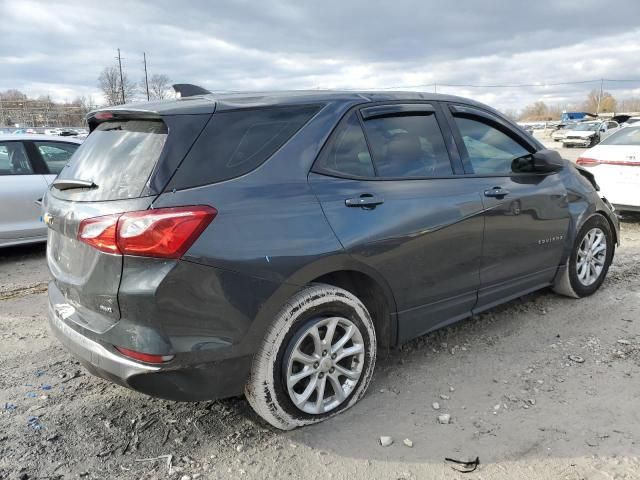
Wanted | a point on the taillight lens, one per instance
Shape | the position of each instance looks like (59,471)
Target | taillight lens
(587,162)
(100,233)
(161,232)
(145,357)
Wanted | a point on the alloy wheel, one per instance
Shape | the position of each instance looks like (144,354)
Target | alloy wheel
(324,365)
(591,257)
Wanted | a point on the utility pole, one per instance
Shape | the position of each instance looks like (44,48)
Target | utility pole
(599,97)
(121,77)
(146,78)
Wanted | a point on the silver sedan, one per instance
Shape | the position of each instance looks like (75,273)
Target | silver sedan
(28,165)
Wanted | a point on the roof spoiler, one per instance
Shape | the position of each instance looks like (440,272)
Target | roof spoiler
(189,90)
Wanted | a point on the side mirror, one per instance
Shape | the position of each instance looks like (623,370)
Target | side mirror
(547,161)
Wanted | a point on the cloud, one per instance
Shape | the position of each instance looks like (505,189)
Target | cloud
(59,48)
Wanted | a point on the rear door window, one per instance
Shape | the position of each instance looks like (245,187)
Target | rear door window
(408,146)
(118,157)
(236,142)
(14,159)
(56,154)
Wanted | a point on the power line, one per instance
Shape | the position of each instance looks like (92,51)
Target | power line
(436,84)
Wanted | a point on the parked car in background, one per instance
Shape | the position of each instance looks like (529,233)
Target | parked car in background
(615,163)
(588,134)
(575,116)
(631,121)
(561,133)
(269,243)
(28,165)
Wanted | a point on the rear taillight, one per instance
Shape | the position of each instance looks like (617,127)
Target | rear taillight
(587,162)
(100,233)
(592,162)
(145,357)
(161,232)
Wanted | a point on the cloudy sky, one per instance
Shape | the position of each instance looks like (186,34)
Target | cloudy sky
(59,48)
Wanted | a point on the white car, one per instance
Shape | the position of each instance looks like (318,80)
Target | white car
(561,133)
(28,165)
(588,134)
(631,121)
(615,163)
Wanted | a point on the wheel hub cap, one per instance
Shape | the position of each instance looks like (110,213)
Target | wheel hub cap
(591,258)
(324,365)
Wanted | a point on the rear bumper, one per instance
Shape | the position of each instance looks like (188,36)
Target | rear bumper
(173,381)
(109,364)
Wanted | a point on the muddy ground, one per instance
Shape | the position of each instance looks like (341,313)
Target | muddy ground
(516,399)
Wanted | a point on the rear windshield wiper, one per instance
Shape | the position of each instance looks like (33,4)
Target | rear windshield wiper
(70,183)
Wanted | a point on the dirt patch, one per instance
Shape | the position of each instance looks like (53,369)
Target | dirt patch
(543,387)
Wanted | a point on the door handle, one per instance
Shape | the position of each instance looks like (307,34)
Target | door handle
(496,192)
(38,202)
(366,200)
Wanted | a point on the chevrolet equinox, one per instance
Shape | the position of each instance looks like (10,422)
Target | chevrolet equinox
(269,243)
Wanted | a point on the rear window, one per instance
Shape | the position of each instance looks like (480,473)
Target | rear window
(118,157)
(626,136)
(237,142)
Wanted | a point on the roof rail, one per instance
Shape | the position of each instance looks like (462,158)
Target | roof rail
(189,90)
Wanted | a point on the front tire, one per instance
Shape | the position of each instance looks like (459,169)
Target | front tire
(316,360)
(590,259)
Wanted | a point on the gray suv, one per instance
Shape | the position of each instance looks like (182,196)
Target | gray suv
(271,243)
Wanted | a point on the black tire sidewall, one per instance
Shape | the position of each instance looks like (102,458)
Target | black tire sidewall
(597,221)
(304,320)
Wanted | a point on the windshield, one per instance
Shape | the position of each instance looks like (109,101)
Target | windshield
(587,127)
(626,136)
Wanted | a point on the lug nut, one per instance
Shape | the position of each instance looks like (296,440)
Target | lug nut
(324,353)
(316,365)
(320,375)
(333,357)
(332,369)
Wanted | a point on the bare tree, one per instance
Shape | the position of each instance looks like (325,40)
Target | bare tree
(109,82)
(159,86)
(596,103)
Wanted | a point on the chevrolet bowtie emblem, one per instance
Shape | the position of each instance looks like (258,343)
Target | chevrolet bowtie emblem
(48,219)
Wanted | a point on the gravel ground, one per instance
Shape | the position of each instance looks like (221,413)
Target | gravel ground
(543,387)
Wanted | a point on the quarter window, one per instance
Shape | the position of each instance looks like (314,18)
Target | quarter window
(237,142)
(348,153)
(408,146)
(56,154)
(490,150)
(14,159)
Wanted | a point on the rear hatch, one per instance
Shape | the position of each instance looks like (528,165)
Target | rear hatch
(117,169)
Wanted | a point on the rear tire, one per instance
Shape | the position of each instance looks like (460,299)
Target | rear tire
(302,373)
(589,261)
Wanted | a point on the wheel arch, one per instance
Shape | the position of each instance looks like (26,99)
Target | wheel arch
(372,294)
(612,226)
